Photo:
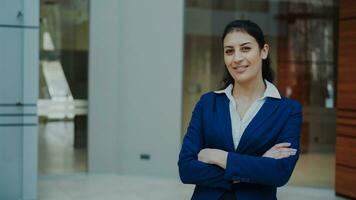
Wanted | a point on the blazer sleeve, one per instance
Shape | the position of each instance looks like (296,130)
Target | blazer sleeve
(268,171)
(191,170)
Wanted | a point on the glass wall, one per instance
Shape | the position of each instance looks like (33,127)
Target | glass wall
(302,37)
(64,42)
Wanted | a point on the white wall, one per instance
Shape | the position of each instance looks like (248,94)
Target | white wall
(103,85)
(135,86)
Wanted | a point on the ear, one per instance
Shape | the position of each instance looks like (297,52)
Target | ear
(264,51)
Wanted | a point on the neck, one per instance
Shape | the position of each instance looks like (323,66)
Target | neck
(250,90)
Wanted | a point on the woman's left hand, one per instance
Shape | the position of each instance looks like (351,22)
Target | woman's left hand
(213,156)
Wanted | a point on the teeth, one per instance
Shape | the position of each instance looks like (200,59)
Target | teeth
(240,67)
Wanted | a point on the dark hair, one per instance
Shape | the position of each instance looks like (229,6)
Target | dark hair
(255,31)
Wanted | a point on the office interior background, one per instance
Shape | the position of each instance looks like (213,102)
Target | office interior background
(96,95)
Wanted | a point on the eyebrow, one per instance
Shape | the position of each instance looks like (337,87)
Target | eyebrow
(243,44)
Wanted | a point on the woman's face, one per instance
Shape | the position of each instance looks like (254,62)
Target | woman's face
(243,57)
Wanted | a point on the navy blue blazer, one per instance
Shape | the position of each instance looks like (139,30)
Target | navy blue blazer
(278,120)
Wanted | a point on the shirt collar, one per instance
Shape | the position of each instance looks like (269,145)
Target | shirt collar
(271,91)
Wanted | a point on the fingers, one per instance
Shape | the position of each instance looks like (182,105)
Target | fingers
(284,154)
(283,144)
(236,182)
(280,150)
(287,150)
(279,153)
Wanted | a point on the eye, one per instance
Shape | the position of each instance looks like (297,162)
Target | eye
(245,49)
(229,51)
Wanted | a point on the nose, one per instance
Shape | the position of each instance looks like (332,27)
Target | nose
(238,56)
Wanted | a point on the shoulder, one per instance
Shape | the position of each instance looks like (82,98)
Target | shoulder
(291,104)
(211,97)
(211,100)
(208,96)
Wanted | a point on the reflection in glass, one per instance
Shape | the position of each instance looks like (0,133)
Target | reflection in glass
(63,85)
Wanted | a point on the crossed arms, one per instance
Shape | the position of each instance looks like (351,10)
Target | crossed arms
(220,169)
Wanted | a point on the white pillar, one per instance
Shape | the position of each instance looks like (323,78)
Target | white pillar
(19,25)
(135,86)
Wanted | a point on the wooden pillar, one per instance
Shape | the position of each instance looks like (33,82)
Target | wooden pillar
(345,180)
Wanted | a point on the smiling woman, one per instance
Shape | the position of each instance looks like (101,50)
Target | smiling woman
(244,46)
(243,56)
(242,141)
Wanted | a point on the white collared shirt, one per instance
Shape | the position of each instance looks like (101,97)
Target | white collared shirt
(239,125)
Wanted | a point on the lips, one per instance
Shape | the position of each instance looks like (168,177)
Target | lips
(240,69)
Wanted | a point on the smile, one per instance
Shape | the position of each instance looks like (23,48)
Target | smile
(240,69)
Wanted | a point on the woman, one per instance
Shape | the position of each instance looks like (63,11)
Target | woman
(242,141)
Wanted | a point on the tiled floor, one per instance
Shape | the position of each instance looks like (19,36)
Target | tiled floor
(56,152)
(57,156)
(315,170)
(119,187)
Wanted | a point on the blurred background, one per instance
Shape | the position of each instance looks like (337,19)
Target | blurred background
(97,95)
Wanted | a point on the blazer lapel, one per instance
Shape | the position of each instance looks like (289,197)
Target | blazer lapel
(223,111)
(262,115)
